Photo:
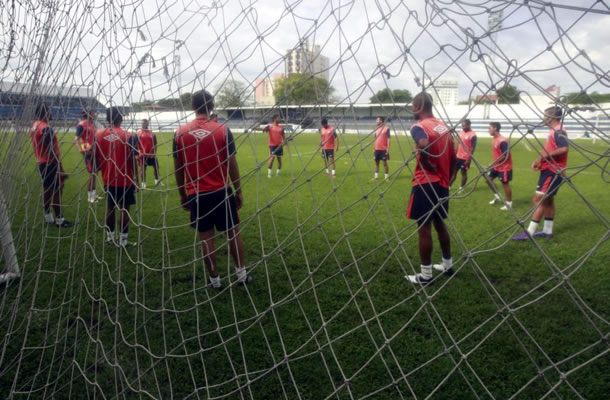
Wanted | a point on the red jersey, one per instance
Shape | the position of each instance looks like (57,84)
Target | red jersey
(440,152)
(204,147)
(557,138)
(328,138)
(382,138)
(86,131)
(499,146)
(466,144)
(45,145)
(114,156)
(276,134)
(146,142)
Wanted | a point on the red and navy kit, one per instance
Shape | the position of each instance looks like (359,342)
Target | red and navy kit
(466,146)
(204,148)
(328,137)
(85,131)
(501,169)
(276,137)
(114,153)
(147,142)
(382,143)
(551,168)
(430,192)
(46,151)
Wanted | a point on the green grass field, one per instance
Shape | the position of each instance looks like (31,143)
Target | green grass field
(329,313)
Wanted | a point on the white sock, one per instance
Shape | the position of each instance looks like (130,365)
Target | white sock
(447,263)
(334,172)
(509,203)
(426,271)
(59,220)
(548,226)
(48,218)
(277,172)
(376,175)
(269,172)
(241,274)
(387,176)
(124,238)
(156,181)
(215,281)
(461,188)
(327,170)
(497,196)
(532,228)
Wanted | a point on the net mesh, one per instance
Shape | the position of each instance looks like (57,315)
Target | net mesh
(328,314)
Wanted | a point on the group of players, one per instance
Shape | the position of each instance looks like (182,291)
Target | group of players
(208,179)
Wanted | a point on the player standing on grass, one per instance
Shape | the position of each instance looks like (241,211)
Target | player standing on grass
(551,163)
(276,141)
(466,147)
(501,167)
(147,152)
(382,147)
(115,156)
(48,160)
(434,173)
(85,135)
(205,167)
(329,145)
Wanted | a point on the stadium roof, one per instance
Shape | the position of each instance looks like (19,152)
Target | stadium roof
(47,90)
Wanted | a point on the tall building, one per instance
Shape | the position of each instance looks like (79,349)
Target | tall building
(263,94)
(443,92)
(307,58)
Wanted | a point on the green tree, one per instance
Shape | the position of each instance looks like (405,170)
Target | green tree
(508,94)
(303,89)
(587,98)
(388,95)
(185,100)
(231,94)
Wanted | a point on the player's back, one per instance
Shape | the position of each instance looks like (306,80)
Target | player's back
(204,148)
(440,151)
(557,137)
(114,156)
(43,151)
(146,141)
(328,137)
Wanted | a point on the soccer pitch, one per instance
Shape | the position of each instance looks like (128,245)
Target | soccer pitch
(329,312)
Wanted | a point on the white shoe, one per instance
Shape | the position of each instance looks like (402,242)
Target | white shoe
(442,268)
(493,201)
(143,185)
(269,176)
(109,237)
(504,208)
(159,183)
(418,278)
(461,189)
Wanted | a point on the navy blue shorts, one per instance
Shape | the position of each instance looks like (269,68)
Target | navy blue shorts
(462,164)
(120,196)
(504,176)
(213,209)
(329,153)
(277,151)
(148,161)
(381,155)
(49,175)
(428,201)
(549,182)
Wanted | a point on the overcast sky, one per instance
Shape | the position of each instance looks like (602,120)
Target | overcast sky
(371,44)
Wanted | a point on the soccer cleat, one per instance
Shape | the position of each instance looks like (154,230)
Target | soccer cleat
(109,237)
(504,208)
(210,285)
(64,224)
(326,173)
(246,281)
(418,278)
(373,179)
(143,185)
(461,189)
(441,268)
(521,236)
(543,234)
(493,201)
(159,183)
(334,176)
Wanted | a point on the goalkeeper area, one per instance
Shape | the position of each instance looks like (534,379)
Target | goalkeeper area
(332,298)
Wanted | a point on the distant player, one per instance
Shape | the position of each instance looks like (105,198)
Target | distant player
(276,141)
(205,167)
(501,167)
(329,143)
(466,147)
(85,135)
(116,157)
(147,152)
(382,147)
(48,161)
(551,163)
(434,173)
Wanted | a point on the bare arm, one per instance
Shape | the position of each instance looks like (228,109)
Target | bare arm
(235,179)
(421,146)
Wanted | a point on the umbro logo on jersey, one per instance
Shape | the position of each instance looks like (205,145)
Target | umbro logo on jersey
(440,129)
(112,137)
(200,133)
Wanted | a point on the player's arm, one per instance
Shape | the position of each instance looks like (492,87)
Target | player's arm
(473,142)
(79,137)
(421,144)
(388,133)
(47,139)
(132,149)
(154,145)
(504,156)
(562,148)
(234,170)
(452,164)
(336,140)
(179,174)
